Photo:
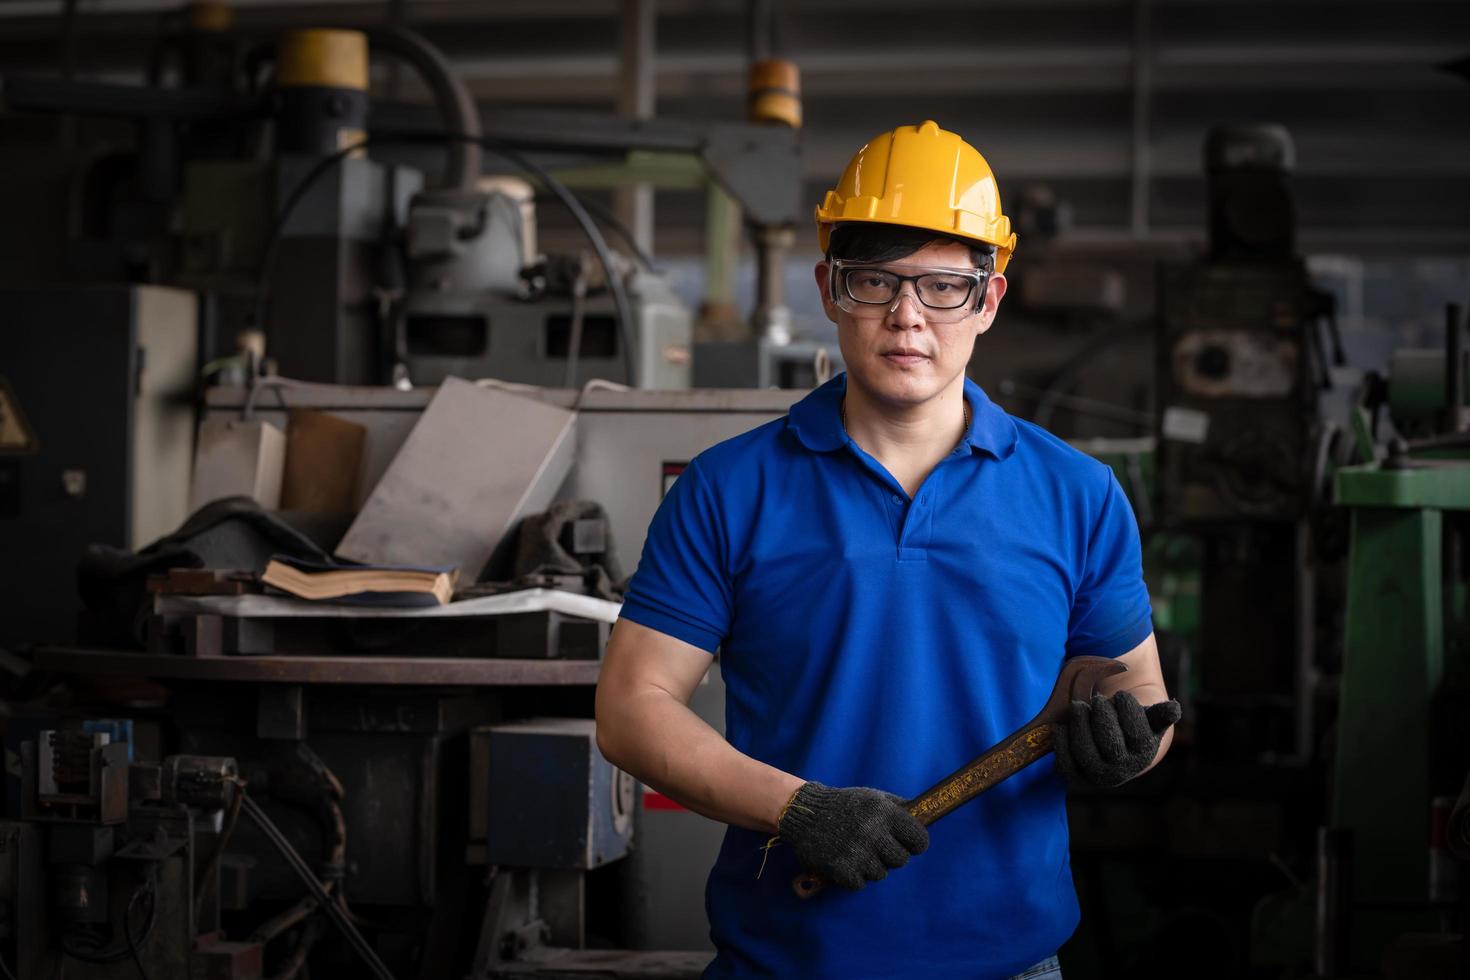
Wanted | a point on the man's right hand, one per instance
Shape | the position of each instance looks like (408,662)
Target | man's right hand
(850,836)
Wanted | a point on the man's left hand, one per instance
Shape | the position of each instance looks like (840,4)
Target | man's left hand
(1109,741)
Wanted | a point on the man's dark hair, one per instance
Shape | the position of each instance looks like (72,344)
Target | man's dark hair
(862,241)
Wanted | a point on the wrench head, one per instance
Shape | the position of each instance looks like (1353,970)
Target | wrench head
(1076,682)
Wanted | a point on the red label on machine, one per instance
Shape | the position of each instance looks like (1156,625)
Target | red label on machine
(654,800)
(671,473)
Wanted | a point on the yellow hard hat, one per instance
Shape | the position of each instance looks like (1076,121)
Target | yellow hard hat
(921,177)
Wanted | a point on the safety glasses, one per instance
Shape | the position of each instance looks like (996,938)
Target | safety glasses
(948,295)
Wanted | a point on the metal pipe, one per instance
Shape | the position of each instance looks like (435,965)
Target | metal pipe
(760,31)
(1457,833)
(772,316)
(69,45)
(637,93)
(1333,940)
(1142,85)
(397,18)
(1454,368)
(1304,647)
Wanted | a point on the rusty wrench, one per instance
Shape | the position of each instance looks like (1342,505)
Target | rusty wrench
(1009,756)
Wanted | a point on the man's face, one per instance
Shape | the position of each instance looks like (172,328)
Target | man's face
(895,352)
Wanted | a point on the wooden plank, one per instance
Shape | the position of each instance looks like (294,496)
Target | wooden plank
(324,456)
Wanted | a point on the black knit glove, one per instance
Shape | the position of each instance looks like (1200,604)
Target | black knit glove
(1108,742)
(850,836)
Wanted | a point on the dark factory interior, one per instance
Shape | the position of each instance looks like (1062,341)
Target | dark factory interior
(390,388)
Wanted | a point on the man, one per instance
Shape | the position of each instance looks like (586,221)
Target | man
(893,574)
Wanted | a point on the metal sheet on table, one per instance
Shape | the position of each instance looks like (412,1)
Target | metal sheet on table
(287,607)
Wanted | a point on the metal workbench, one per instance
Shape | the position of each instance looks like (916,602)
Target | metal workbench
(361,670)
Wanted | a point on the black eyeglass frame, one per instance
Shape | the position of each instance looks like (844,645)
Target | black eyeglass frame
(979,280)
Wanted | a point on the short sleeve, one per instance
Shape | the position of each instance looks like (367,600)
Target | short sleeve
(681,588)
(1110,609)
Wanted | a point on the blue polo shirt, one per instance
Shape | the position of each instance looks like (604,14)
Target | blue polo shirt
(870,639)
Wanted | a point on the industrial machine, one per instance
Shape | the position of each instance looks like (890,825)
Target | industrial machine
(360,270)
(114,863)
(1403,721)
(1308,594)
(111,859)
(1244,354)
(515,848)
(351,795)
(211,782)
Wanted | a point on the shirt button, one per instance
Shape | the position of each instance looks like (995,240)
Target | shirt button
(897,499)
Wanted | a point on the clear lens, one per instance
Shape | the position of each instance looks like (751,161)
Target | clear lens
(871,285)
(944,291)
(947,293)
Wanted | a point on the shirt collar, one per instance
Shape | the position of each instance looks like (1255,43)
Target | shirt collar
(816,420)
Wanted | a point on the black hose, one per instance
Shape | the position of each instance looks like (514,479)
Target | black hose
(297,864)
(288,207)
(1064,379)
(456,105)
(606,216)
(568,199)
(207,877)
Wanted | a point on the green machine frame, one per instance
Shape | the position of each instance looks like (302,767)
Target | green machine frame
(1394,662)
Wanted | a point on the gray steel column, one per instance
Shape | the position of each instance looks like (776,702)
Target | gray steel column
(1143,53)
(636,97)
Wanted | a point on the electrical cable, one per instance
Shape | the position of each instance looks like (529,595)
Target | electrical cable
(297,864)
(152,891)
(1062,382)
(589,227)
(99,954)
(276,383)
(273,927)
(334,864)
(295,964)
(206,879)
(557,188)
(606,216)
(288,207)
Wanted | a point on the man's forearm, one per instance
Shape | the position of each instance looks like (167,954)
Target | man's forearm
(658,739)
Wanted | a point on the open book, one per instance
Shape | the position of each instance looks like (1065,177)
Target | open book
(373,585)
